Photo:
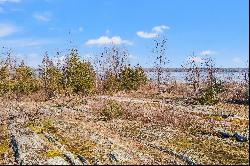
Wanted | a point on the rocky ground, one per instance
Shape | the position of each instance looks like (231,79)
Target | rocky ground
(122,130)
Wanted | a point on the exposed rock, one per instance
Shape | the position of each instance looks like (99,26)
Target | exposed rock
(57,161)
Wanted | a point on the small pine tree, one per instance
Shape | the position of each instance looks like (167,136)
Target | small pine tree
(25,81)
(6,84)
(132,78)
(111,83)
(7,71)
(141,77)
(51,77)
(80,75)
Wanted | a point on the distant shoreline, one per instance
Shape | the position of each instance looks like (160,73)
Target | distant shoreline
(202,69)
(223,70)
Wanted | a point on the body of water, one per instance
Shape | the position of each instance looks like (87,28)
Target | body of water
(180,76)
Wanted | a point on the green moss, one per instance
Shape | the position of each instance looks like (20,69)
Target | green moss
(199,130)
(210,151)
(214,117)
(4,139)
(236,121)
(43,126)
(36,129)
(85,148)
(49,127)
(181,143)
(4,147)
(53,153)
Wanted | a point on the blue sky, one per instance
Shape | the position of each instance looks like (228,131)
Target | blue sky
(219,28)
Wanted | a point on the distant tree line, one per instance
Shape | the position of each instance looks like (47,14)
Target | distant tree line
(108,74)
(74,76)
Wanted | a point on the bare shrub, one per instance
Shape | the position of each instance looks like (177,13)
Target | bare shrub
(160,52)
(193,74)
(109,64)
(114,72)
(202,77)
(213,86)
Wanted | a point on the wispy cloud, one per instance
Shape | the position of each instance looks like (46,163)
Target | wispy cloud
(147,35)
(160,28)
(105,40)
(8,29)
(207,52)
(154,33)
(43,17)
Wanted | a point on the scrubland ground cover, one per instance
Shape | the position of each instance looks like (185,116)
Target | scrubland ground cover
(110,113)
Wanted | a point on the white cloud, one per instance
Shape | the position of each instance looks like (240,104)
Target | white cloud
(154,33)
(160,29)
(7,29)
(15,1)
(105,40)
(147,35)
(207,52)
(44,17)
(195,59)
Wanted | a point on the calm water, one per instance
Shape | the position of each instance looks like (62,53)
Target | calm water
(180,76)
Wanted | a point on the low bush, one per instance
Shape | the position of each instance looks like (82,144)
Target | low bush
(25,81)
(111,110)
(79,75)
(132,78)
(210,95)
